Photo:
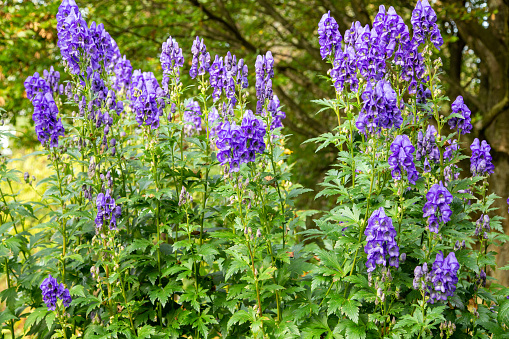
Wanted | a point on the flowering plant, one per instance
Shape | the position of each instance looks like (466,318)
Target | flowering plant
(171,212)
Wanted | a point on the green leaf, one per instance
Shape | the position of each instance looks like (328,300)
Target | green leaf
(239,317)
(35,317)
(50,318)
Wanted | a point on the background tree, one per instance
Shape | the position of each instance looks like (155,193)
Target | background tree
(476,52)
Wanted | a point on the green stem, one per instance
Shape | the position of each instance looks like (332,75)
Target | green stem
(9,286)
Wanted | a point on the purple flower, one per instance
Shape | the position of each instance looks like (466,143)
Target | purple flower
(344,70)
(214,123)
(427,148)
(48,126)
(437,207)
(448,153)
(52,77)
(172,60)
(107,211)
(380,108)
(328,35)
(480,161)
(146,98)
(412,65)
(277,114)
(201,58)
(105,50)
(192,118)
(35,84)
(52,290)
(464,123)
(123,72)
(482,226)
(264,73)
(443,278)
(401,159)
(424,22)
(381,243)
(74,40)
(390,30)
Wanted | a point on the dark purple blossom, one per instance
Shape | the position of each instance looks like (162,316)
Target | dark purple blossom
(192,118)
(443,278)
(214,123)
(274,108)
(391,30)
(437,208)
(105,50)
(217,73)
(52,291)
(380,108)
(480,161)
(172,60)
(264,73)
(107,211)
(427,149)
(48,126)
(52,77)
(146,98)
(328,35)
(344,70)
(201,58)
(463,124)
(424,22)
(381,243)
(123,73)
(402,159)
(35,84)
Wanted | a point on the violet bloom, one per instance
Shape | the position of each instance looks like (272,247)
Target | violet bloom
(52,291)
(192,118)
(217,74)
(146,98)
(380,108)
(123,73)
(264,73)
(412,65)
(391,30)
(402,159)
(427,148)
(344,70)
(74,39)
(448,153)
(480,161)
(48,126)
(424,22)
(381,241)
(443,278)
(52,77)
(214,123)
(35,84)
(201,58)
(437,207)
(329,36)
(107,211)
(463,124)
(172,60)
(277,114)
(105,48)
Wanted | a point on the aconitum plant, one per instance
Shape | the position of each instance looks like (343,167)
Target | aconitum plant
(171,208)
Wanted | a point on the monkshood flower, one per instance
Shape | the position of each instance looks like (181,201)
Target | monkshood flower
(147,98)
(107,211)
(402,159)
(48,126)
(381,243)
(192,118)
(242,73)
(217,74)
(443,278)
(480,161)
(437,208)
(482,225)
(411,62)
(74,39)
(380,108)
(264,73)
(328,35)
(214,123)
(52,77)
(344,70)
(427,148)
(106,48)
(391,30)
(201,58)
(123,72)
(421,277)
(370,54)
(35,84)
(423,94)
(424,22)
(463,124)
(277,114)
(52,291)
(448,153)
(172,60)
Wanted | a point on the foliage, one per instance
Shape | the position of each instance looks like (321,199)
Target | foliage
(164,215)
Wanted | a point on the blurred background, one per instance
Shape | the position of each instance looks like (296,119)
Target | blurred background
(475,57)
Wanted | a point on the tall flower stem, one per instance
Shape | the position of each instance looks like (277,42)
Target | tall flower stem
(9,286)
(62,220)
(155,175)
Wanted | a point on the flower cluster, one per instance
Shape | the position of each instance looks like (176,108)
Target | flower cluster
(328,35)
(74,39)
(482,226)
(443,278)
(381,243)
(401,159)
(480,161)
(380,108)
(424,22)
(107,211)
(344,69)
(463,124)
(225,74)
(390,30)
(427,148)
(147,98)
(35,84)
(52,77)
(104,49)
(172,60)
(123,72)
(240,144)
(437,207)
(213,123)
(48,126)
(52,290)
(201,58)
(192,118)
(274,107)
(264,73)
